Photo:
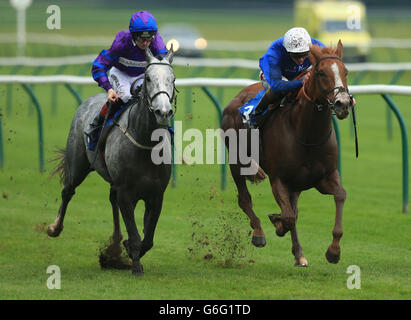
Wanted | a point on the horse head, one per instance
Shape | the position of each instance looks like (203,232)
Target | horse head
(159,89)
(330,77)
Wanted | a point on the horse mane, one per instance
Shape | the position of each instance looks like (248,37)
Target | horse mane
(316,52)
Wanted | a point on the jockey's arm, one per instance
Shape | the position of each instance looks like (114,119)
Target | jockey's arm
(273,75)
(103,63)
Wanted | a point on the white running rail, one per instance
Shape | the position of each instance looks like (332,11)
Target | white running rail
(190,62)
(197,82)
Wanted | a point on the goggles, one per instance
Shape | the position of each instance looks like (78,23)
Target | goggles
(145,34)
(299,55)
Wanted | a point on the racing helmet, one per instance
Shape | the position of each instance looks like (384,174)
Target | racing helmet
(143,24)
(297,40)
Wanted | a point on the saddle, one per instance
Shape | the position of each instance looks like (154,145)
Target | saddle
(109,124)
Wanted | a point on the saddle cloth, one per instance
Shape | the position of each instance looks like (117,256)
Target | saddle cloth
(247,110)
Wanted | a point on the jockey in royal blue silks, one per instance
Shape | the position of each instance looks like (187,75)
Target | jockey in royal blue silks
(126,60)
(286,58)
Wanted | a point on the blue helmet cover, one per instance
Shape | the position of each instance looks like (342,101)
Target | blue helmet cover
(142,21)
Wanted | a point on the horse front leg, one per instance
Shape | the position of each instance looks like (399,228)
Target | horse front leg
(127,204)
(300,260)
(286,220)
(151,215)
(117,235)
(245,203)
(332,185)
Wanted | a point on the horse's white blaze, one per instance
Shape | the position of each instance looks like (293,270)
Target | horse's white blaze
(164,110)
(338,83)
(337,79)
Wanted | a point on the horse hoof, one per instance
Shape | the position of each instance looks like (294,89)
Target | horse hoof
(274,218)
(53,232)
(332,257)
(301,262)
(258,241)
(137,269)
(279,225)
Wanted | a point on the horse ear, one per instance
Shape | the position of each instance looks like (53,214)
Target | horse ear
(339,49)
(314,54)
(170,54)
(149,54)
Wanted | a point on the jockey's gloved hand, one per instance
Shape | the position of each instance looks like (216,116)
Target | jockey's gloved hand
(353,102)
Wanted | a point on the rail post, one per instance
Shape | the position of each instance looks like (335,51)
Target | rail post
(404,139)
(39,122)
(220,118)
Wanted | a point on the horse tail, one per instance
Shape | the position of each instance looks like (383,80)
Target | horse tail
(60,168)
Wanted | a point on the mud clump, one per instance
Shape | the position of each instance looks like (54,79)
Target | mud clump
(111,256)
(225,240)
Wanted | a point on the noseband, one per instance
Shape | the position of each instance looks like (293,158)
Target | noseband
(172,99)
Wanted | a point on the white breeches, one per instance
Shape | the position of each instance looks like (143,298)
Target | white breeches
(121,83)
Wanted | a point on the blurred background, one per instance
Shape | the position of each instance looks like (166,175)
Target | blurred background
(256,24)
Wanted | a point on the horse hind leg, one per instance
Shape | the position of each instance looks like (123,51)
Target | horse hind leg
(332,185)
(111,257)
(71,180)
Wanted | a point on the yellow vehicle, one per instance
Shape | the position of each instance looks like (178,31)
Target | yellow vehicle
(330,20)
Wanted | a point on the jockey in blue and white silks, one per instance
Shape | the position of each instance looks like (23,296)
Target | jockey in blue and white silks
(286,58)
(126,61)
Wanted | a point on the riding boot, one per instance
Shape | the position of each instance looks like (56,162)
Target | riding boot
(94,130)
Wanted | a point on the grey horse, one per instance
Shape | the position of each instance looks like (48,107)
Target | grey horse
(127,165)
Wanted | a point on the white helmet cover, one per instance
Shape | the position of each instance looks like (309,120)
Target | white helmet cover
(297,40)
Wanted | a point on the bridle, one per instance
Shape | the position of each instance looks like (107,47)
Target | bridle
(330,104)
(172,99)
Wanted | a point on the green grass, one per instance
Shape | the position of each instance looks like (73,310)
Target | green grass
(377,235)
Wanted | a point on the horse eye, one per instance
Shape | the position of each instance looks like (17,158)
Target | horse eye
(321,73)
(148,79)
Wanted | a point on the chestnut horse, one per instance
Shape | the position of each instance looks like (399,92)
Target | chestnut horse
(299,148)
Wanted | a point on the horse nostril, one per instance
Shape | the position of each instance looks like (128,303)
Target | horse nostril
(170,113)
(338,104)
